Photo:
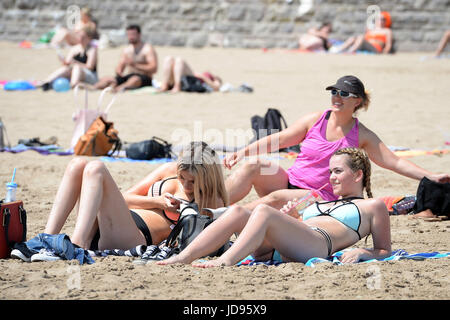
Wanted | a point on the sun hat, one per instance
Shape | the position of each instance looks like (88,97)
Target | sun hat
(350,84)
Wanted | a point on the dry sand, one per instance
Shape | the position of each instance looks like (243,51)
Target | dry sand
(409,109)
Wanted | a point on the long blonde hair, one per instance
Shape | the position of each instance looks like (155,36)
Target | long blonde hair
(358,160)
(202,162)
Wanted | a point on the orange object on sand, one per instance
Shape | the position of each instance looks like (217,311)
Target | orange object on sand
(25,44)
(390,201)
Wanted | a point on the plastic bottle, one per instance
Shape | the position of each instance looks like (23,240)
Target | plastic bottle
(2,142)
(11,189)
(306,201)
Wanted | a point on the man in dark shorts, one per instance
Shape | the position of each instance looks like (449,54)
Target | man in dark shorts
(138,58)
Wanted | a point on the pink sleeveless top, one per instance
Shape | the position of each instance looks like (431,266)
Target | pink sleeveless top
(311,168)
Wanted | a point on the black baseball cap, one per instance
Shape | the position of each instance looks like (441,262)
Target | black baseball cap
(350,84)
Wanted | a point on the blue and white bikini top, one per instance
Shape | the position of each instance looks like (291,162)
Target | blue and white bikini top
(344,211)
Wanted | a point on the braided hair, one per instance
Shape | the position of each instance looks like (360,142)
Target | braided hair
(358,160)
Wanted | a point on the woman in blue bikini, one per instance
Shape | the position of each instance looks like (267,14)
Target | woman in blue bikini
(326,227)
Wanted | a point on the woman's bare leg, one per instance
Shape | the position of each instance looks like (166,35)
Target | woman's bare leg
(77,76)
(102,201)
(347,44)
(66,196)
(213,237)
(289,236)
(63,72)
(278,198)
(180,68)
(264,176)
(357,44)
(167,74)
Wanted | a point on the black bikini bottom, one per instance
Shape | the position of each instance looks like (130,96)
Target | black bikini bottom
(140,223)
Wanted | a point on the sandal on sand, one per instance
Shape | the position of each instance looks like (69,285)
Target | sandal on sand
(151,251)
(165,253)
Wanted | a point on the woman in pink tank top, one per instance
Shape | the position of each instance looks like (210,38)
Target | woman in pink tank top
(320,134)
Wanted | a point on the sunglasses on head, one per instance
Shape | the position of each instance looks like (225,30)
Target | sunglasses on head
(343,94)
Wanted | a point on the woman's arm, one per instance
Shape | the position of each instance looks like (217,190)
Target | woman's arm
(91,59)
(137,196)
(388,45)
(380,154)
(381,235)
(290,136)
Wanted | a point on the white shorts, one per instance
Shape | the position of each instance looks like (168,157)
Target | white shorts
(90,76)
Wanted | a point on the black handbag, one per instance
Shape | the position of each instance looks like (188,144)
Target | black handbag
(434,196)
(149,149)
(192,84)
(190,225)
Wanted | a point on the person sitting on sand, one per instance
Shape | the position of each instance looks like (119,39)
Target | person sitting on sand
(326,227)
(376,40)
(178,76)
(70,37)
(320,134)
(139,58)
(143,215)
(443,43)
(316,39)
(80,64)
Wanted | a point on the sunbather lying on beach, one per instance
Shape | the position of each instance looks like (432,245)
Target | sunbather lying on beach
(178,76)
(326,227)
(320,134)
(109,219)
(316,39)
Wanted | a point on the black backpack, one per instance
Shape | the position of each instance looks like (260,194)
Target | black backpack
(149,149)
(272,122)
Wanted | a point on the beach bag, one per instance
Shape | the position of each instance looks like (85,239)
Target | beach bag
(99,140)
(434,196)
(84,117)
(192,84)
(188,227)
(149,149)
(13,226)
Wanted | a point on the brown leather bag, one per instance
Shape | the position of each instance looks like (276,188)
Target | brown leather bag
(99,139)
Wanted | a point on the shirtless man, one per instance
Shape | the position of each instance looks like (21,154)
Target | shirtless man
(140,59)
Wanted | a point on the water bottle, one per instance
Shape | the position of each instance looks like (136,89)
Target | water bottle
(311,197)
(11,188)
(2,142)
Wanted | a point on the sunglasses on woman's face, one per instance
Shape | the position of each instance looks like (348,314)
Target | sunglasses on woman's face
(343,94)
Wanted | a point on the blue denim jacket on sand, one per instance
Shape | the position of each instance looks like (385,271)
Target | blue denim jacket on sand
(61,245)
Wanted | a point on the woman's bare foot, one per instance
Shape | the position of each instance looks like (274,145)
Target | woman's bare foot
(211,264)
(174,259)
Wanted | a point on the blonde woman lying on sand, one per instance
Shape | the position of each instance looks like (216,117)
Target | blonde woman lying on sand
(320,134)
(326,227)
(105,220)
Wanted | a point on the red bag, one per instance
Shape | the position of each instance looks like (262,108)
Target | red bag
(13,226)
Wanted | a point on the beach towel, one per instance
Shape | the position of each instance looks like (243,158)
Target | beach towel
(399,254)
(18,86)
(44,150)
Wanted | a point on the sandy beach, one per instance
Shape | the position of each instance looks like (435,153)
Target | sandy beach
(409,109)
